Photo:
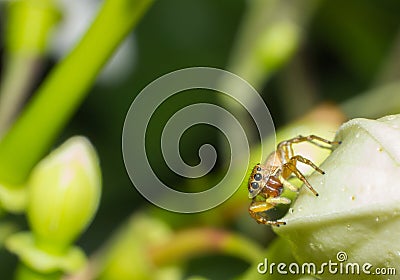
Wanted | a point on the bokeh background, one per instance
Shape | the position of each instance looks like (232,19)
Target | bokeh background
(342,50)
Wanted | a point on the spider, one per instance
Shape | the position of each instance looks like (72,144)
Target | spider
(268,180)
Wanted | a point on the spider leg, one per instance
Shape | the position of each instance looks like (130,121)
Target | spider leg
(312,138)
(284,149)
(261,206)
(291,166)
(278,200)
(288,149)
(291,152)
(287,184)
(308,162)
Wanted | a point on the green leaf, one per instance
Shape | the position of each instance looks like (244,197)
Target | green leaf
(23,244)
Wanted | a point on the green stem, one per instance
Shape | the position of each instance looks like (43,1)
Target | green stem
(6,229)
(299,87)
(20,72)
(63,91)
(25,273)
(29,23)
(204,240)
(391,66)
(278,251)
(374,103)
(269,36)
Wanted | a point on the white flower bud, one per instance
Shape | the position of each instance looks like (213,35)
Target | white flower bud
(358,210)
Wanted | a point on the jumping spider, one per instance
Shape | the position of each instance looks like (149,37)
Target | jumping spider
(269,179)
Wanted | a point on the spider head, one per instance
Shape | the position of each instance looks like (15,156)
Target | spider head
(256,181)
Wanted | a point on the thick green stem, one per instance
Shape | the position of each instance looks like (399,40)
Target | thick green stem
(63,91)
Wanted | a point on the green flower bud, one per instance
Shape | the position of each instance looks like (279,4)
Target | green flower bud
(64,195)
(277,44)
(356,218)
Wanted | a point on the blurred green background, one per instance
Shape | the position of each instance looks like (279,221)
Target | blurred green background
(345,49)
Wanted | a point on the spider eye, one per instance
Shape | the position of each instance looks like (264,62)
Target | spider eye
(254,185)
(258,168)
(257,177)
